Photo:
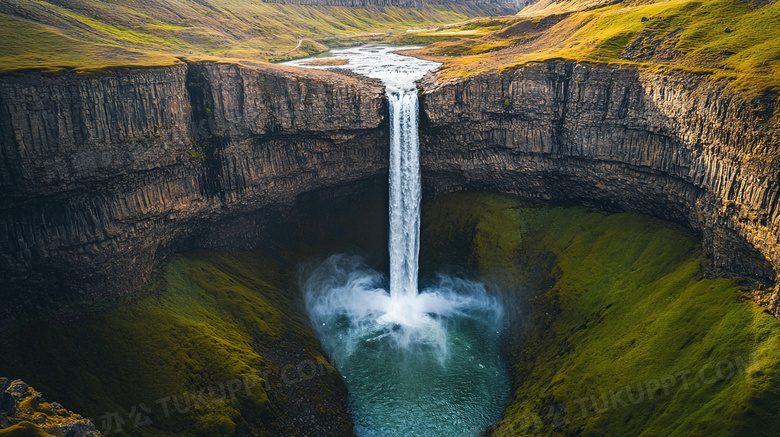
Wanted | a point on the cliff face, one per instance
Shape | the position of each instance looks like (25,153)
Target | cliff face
(667,145)
(101,177)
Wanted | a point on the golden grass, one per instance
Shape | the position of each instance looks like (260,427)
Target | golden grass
(319,62)
(689,35)
(89,33)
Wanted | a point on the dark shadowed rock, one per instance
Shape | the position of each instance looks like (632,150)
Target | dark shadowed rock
(674,146)
(23,408)
(102,177)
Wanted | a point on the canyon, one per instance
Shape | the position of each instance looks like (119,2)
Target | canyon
(105,175)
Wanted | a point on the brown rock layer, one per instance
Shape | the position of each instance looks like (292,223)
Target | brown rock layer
(101,177)
(674,146)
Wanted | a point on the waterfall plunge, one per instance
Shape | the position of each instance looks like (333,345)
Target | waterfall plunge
(424,363)
(344,288)
(405,193)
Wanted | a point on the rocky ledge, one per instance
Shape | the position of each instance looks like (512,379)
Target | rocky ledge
(102,177)
(670,145)
(24,411)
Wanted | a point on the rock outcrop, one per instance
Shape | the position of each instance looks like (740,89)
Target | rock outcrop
(101,177)
(674,146)
(24,411)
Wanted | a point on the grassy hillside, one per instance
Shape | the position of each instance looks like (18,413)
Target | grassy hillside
(735,40)
(214,346)
(90,33)
(210,320)
(617,330)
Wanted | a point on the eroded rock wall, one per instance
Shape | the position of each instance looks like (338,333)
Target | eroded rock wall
(101,177)
(672,145)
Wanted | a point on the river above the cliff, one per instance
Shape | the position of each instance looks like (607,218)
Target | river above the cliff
(422,362)
(381,62)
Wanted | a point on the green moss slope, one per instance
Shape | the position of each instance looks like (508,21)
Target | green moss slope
(90,34)
(733,40)
(606,302)
(213,321)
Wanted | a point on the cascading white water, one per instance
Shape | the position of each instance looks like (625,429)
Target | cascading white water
(405,193)
(416,363)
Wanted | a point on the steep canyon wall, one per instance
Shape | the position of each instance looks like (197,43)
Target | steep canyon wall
(101,177)
(670,145)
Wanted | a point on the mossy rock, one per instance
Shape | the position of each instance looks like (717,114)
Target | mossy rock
(24,429)
(200,351)
(608,306)
(598,303)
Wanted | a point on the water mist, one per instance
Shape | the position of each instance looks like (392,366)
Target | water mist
(423,363)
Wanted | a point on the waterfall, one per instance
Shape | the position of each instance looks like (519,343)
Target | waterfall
(413,362)
(405,192)
(343,288)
